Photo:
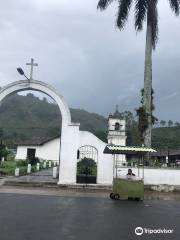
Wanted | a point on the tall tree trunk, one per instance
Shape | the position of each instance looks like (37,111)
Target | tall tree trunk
(147,102)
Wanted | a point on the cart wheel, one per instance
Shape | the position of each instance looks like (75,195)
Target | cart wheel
(111,195)
(116,196)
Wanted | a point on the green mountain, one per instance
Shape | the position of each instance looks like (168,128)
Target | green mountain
(164,137)
(26,117)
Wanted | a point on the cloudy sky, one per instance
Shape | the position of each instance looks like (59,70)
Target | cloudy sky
(81,53)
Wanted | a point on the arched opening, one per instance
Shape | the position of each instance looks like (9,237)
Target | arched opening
(88,152)
(87,159)
(44,88)
(117,126)
(31,124)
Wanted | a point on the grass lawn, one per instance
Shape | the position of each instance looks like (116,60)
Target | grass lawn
(7,168)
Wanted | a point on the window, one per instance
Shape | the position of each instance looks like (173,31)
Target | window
(117,126)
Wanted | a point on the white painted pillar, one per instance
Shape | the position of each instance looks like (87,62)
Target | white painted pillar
(55,172)
(44,164)
(105,168)
(16,172)
(50,164)
(38,166)
(29,168)
(68,154)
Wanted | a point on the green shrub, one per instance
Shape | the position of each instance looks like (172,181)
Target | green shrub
(22,170)
(8,164)
(87,166)
(21,163)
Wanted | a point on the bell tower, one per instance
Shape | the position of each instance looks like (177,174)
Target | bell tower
(117,135)
(116,129)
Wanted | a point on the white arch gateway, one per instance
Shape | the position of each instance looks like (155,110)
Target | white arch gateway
(71,137)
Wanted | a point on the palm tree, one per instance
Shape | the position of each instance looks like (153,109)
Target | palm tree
(145,10)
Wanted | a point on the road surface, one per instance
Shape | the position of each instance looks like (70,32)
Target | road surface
(44,217)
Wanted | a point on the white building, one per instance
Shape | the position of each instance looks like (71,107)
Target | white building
(44,149)
(73,143)
(89,146)
(49,148)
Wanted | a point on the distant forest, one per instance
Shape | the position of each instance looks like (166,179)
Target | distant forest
(27,117)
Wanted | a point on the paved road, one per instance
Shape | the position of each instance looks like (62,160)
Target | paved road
(41,176)
(33,217)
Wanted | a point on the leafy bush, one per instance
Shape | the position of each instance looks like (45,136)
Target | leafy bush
(87,166)
(22,170)
(21,163)
(8,164)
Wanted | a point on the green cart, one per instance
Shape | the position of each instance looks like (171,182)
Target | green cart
(128,187)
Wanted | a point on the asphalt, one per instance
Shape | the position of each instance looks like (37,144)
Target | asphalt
(35,217)
(41,177)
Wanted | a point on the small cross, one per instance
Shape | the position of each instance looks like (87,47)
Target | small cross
(32,64)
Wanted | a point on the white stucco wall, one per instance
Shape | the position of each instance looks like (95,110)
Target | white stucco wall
(156,176)
(104,162)
(47,151)
(68,159)
(22,152)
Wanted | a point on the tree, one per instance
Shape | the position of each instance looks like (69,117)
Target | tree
(170,123)
(176,124)
(1,133)
(3,151)
(162,123)
(145,10)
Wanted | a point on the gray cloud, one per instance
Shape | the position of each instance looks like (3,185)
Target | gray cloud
(82,54)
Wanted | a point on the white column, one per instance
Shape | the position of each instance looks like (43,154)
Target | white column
(55,172)
(68,155)
(44,164)
(29,168)
(17,172)
(50,164)
(37,166)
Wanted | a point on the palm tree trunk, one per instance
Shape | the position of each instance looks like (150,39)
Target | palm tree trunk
(147,102)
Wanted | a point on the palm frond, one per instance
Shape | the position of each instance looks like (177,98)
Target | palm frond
(123,12)
(175,6)
(140,13)
(153,20)
(103,4)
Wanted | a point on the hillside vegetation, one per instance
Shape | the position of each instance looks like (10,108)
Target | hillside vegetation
(27,117)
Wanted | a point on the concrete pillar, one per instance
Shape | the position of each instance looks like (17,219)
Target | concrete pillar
(38,166)
(55,172)
(50,164)
(29,168)
(68,154)
(16,172)
(44,164)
